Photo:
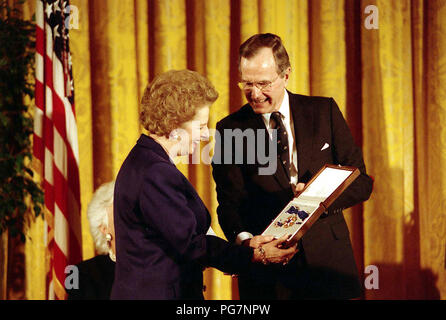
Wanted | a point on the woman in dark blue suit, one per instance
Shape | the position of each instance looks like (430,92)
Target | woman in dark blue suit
(160,221)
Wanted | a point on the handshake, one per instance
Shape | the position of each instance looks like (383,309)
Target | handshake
(267,250)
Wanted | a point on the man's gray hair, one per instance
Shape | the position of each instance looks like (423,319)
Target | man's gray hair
(255,43)
(97,215)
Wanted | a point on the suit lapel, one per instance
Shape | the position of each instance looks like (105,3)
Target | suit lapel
(302,114)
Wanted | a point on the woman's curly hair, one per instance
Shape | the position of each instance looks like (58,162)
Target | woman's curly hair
(173,98)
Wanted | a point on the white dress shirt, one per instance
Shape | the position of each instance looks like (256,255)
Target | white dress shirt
(289,127)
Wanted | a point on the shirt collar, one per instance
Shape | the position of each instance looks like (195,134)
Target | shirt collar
(284,108)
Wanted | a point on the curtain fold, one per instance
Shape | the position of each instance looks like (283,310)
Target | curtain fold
(433,219)
(387,107)
(388,82)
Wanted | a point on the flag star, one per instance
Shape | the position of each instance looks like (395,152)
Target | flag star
(56,31)
(48,10)
(56,4)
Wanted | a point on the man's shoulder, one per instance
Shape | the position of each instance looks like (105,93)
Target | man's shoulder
(301,99)
(236,118)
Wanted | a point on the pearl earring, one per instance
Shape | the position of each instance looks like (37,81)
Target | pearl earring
(108,237)
(174,135)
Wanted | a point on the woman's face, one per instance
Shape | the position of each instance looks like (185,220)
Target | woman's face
(194,131)
(111,226)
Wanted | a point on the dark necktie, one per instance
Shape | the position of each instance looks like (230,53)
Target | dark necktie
(282,142)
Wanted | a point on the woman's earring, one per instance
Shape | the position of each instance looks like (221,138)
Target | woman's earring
(174,135)
(108,237)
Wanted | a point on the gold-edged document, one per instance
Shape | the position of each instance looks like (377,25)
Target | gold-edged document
(308,205)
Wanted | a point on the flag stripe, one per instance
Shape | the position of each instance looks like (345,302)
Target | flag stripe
(48,70)
(59,116)
(48,174)
(40,16)
(40,45)
(73,176)
(60,262)
(60,198)
(60,230)
(38,147)
(39,99)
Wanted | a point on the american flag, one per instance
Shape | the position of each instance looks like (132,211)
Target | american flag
(55,143)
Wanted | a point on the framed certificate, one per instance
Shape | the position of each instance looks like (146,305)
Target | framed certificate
(308,205)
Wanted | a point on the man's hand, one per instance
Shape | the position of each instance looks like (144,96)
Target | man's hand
(257,241)
(300,186)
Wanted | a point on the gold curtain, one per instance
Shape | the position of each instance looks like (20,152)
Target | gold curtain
(389,83)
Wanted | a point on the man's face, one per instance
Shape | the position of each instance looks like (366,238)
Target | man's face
(261,69)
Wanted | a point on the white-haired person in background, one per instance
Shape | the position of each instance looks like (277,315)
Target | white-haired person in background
(96,274)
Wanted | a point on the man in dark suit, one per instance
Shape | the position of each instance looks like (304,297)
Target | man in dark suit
(312,132)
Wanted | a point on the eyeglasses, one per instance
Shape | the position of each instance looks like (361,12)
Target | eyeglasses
(261,85)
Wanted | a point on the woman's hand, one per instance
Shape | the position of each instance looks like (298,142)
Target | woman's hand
(272,252)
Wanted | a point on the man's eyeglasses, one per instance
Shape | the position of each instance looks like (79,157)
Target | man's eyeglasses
(261,85)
